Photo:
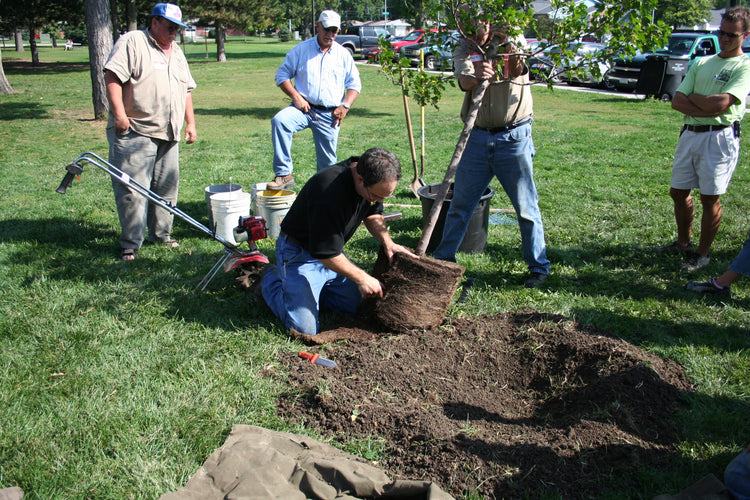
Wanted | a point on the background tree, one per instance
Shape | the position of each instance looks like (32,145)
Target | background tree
(678,13)
(34,15)
(245,15)
(99,27)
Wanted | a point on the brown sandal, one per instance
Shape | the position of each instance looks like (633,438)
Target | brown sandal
(171,243)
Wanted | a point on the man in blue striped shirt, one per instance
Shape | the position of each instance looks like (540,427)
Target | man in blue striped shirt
(326,83)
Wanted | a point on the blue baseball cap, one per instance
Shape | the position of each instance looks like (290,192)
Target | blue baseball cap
(170,12)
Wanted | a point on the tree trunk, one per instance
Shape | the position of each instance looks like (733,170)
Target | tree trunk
(19,40)
(221,33)
(132,12)
(115,19)
(32,44)
(5,87)
(100,45)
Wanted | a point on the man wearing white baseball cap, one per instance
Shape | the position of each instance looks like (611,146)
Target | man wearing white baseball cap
(326,83)
(149,89)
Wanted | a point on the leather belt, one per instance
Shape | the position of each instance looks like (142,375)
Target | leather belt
(290,239)
(704,128)
(322,108)
(505,128)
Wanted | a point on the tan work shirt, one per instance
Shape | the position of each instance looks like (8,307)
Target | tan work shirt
(503,103)
(154,87)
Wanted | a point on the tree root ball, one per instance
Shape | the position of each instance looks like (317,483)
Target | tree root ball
(417,292)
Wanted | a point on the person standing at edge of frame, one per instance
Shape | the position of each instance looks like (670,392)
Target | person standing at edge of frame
(322,71)
(712,98)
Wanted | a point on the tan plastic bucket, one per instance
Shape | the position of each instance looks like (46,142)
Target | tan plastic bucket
(273,205)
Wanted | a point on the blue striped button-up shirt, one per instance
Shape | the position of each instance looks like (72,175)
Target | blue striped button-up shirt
(321,78)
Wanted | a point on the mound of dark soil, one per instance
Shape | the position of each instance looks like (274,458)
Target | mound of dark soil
(503,406)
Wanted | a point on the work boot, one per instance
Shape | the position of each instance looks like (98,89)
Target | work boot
(281,182)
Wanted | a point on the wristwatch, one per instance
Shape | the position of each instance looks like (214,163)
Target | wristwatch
(346,105)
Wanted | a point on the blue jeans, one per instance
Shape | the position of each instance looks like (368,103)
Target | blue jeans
(509,157)
(737,476)
(741,263)
(291,120)
(299,286)
(155,164)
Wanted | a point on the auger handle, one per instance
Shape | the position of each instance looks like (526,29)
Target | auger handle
(74,170)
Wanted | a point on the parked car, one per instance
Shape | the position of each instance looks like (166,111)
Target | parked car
(683,48)
(543,67)
(357,38)
(438,55)
(415,36)
(372,53)
(578,70)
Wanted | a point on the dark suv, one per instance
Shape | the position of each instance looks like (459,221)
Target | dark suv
(683,48)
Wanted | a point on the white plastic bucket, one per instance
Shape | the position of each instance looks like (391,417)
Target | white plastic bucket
(212,190)
(273,205)
(254,190)
(227,208)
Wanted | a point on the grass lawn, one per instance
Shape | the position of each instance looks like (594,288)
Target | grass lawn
(119,379)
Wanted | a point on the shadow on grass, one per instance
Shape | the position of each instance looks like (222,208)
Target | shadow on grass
(23,111)
(16,67)
(71,250)
(200,57)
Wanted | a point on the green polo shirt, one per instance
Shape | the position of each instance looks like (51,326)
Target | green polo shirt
(715,75)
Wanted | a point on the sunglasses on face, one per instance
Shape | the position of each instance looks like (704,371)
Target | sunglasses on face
(171,27)
(729,35)
(332,29)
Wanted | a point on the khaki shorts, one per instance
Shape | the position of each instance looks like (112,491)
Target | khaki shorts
(705,160)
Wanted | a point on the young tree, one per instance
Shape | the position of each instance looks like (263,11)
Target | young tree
(240,14)
(99,27)
(626,24)
(678,13)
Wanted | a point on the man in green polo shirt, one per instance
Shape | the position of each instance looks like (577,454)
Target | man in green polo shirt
(149,90)
(712,98)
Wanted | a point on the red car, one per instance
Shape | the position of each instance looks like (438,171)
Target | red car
(415,36)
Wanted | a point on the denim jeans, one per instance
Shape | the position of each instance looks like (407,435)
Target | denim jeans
(155,164)
(737,476)
(509,157)
(291,120)
(299,286)
(741,263)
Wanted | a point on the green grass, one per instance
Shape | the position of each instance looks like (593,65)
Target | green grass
(119,379)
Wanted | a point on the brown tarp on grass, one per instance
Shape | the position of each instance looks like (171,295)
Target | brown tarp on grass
(259,463)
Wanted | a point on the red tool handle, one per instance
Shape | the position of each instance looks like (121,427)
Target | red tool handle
(306,355)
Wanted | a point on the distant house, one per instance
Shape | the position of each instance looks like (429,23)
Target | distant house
(396,27)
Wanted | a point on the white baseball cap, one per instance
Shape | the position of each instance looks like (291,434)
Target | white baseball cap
(170,12)
(329,18)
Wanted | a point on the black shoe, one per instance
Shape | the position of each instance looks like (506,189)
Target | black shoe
(708,287)
(535,279)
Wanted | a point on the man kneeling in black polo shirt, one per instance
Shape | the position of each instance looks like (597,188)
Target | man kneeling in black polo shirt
(312,272)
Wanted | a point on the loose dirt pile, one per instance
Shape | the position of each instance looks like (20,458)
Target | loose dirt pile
(501,406)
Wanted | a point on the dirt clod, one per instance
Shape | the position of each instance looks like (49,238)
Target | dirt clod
(503,406)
